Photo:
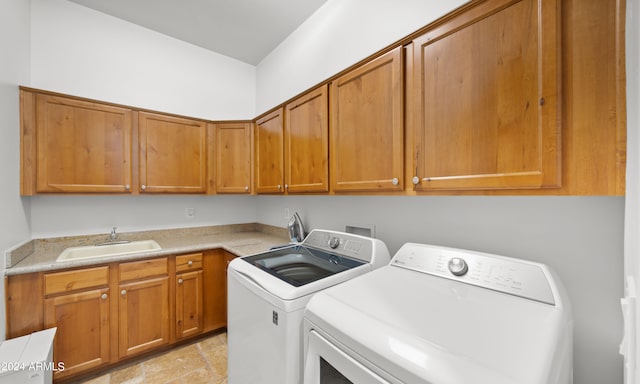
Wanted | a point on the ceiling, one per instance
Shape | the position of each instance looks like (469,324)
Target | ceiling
(246,30)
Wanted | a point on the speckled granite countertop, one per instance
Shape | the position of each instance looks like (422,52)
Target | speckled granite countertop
(39,255)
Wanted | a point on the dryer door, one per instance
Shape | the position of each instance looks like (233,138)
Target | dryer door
(327,364)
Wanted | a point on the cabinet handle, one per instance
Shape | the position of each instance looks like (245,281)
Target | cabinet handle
(246,187)
(127,187)
(104,296)
(190,262)
(143,187)
(180,281)
(286,186)
(395,181)
(279,187)
(415,180)
(123,292)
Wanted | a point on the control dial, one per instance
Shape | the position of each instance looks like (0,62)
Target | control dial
(334,242)
(457,266)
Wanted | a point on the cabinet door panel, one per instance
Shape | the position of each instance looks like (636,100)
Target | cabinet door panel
(82,146)
(487,92)
(270,153)
(233,158)
(215,290)
(144,316)
(367,130)
(172,154)
(307,143)
(85,314)
(188,304)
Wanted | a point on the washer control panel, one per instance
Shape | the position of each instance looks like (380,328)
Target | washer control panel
(513,276)
(344,244)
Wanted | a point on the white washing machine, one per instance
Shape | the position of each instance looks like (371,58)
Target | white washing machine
(267,294)
(441,315)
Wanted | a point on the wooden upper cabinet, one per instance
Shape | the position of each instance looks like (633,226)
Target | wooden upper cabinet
(79,146)
(486,99)
(269,153)
(232,154)
(367,126)
(173,154)
(307,143)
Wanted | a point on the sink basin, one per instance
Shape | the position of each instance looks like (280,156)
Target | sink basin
(116,249)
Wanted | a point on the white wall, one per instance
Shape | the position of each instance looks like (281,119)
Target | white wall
(78,51)
(338,35)
(632,212)
(580,237)
(54,216)
(14,70)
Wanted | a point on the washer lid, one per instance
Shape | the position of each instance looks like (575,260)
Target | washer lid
(422,328)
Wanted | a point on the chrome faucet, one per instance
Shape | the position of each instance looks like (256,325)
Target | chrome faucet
(113,238)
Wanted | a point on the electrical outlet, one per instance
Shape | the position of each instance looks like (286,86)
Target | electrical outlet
(191,213)
(287,213)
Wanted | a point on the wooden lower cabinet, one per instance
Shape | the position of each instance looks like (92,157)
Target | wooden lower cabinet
(143,310)
(109,313)
(75,314)
(188,304)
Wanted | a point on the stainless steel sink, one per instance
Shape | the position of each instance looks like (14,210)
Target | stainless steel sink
(106,250)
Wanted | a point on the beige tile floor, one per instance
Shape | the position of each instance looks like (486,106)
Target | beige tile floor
(202,362)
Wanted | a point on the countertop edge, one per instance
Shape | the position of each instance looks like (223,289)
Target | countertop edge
(241,242)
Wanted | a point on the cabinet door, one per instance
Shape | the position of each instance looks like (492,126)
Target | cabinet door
(188,304)
(173,156)
(82,146)
(269,136)
(233,158)
(367,131)
(85,314)
(143,308)
(307,143)
(215,290)
(486,96)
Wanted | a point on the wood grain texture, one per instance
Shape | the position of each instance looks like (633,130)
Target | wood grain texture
(172,154)
(189,262)
(24,303)
(307,142)
(82,339)
(215,289)
(189,304)
(367,126)
(269,153)
(487,93)
(135,270)
(69,281)
(233,158)
(82,146)
(143,309)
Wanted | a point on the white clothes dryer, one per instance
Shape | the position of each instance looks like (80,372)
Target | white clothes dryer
(438,315)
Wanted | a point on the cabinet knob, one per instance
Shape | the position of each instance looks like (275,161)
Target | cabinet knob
(286,186)
(279,187)
(246,187)
(127,187)
(104,296)
(395,181)
(415,180)
(123,292)
(180,281)
(190,262)
(143,187)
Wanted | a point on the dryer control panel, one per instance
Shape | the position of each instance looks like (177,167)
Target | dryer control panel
(504,274)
